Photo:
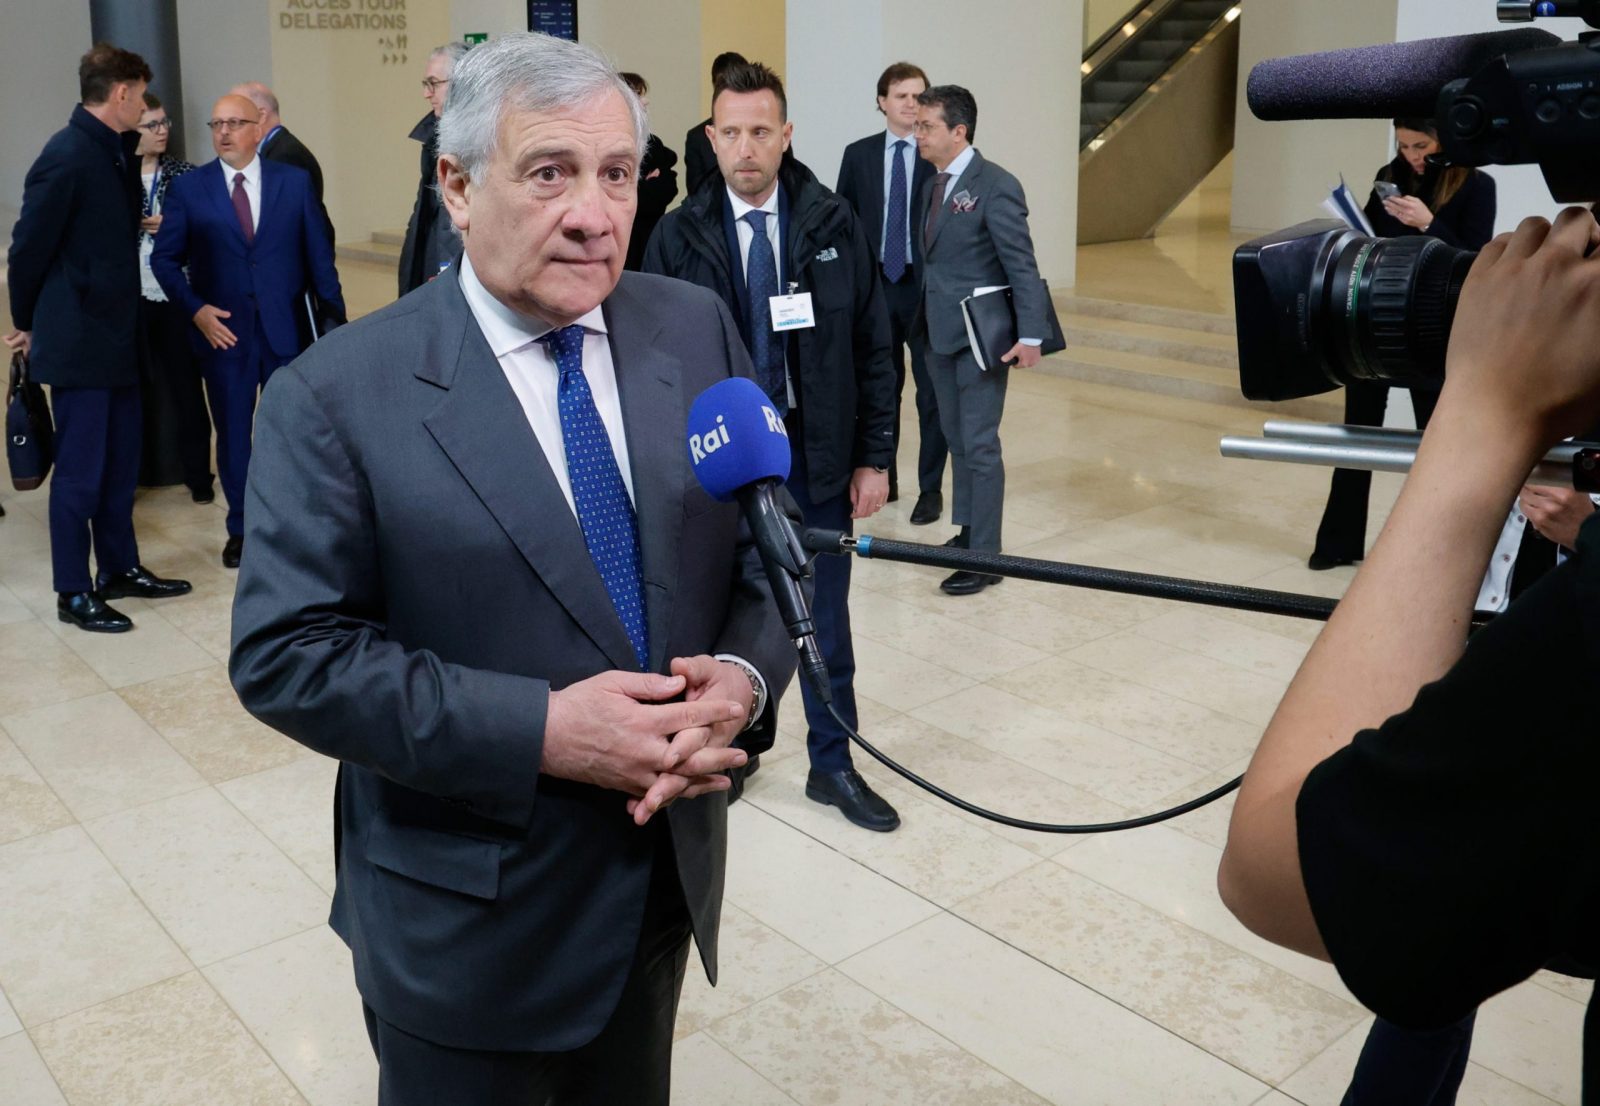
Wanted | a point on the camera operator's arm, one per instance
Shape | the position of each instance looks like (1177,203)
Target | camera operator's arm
(1522,372)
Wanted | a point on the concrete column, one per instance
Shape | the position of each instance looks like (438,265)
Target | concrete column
(1283,171)
(1018,57)
(150,29)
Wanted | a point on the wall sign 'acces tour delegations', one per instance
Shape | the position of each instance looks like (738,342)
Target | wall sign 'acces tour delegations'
(342,15)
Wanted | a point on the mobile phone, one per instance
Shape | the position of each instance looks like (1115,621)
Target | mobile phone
(1386,190)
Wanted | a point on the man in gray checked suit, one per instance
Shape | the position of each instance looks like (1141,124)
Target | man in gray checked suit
(974,223)
(482,576)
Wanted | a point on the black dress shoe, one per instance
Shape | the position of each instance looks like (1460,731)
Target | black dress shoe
(203,494)
(232,550)
(968,583)
(87,611)
(962,540)
(894,489)
(930,505)
(1321,562)
(856,801)
(140,583)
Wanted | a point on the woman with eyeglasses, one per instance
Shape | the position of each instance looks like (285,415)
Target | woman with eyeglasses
(177,429)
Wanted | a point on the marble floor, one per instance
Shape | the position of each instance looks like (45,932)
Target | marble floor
(165,861)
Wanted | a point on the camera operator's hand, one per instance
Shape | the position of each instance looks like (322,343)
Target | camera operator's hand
(1557,513)
(1525,347)
(1410,211)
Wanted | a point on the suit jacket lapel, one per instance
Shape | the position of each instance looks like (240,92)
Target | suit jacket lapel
(480,425)
(271,187)
(879,200)
(654,413)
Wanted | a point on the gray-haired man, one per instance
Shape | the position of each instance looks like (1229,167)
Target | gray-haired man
(431,242)
(482,576)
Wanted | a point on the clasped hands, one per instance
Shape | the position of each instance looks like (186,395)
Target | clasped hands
(617,730)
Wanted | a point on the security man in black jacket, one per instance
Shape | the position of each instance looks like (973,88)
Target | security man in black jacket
(791,262)
(74,285)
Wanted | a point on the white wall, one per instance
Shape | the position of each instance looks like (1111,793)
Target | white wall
(40,45)
(1283,171)
(1027,98)
(1520,189)
(836,49)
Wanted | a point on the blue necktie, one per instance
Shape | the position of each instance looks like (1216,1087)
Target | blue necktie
(894,225)
(605,513)
(761,284)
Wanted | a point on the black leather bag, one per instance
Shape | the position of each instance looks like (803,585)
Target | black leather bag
(30,434)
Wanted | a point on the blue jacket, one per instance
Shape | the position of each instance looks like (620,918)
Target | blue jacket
(291,252)
(74,260)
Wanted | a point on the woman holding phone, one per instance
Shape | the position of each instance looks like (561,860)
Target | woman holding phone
(1455,204)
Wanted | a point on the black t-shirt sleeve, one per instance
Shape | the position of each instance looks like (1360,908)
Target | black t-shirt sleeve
(1450,853)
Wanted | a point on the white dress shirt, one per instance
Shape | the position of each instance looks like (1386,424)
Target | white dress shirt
(747,235)
(252,186)
(531,370)
(532,373)
(908,158)
(956,168)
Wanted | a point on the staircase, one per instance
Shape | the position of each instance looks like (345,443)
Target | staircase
(1185,354)
(1157,113)
(383,248)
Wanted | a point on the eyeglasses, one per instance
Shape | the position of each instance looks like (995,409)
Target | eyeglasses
(926,128)
(430,85)
(156,125)
(229,124)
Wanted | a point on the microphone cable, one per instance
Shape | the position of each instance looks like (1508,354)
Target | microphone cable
(1023,823)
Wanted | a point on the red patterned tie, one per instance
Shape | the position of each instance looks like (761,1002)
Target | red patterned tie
(934,204)
(241,208)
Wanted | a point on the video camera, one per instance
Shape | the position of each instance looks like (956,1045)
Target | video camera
(1319,305)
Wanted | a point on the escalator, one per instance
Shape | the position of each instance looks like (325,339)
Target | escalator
(1157,116)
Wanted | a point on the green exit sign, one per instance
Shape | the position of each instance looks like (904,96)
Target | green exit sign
(476,39)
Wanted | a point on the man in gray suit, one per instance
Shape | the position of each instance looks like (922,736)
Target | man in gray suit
(483,577)
(974,226)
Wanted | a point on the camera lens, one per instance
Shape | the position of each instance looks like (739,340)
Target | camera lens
(1390,306)
(1319,306)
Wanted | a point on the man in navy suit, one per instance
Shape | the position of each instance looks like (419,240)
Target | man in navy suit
(880,177)
(253,237)
(74,284)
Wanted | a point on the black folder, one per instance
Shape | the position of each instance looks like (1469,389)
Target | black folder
(992,326)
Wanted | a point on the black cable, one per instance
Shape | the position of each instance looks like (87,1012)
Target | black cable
(1022,823)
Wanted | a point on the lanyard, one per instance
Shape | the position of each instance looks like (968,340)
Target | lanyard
(150,196)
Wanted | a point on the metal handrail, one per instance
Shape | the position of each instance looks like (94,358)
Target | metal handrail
(1109,45)
(1122,32)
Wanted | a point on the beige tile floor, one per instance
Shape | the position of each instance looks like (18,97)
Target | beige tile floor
(165,862)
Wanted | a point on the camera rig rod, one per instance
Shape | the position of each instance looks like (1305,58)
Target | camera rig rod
(1380,449)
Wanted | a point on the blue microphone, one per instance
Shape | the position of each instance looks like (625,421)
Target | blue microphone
(739,449)
(736,438)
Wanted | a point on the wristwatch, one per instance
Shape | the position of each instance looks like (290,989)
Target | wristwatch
(758,687)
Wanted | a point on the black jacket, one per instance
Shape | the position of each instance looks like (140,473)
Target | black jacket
(655,196)
(861,185)
(286,149)
(1466,221)
(699,160)
(841,367)
(431,240)
(74,260)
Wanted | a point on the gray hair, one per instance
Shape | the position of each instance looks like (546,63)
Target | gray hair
(258,94)
(450,50)
(529,72)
